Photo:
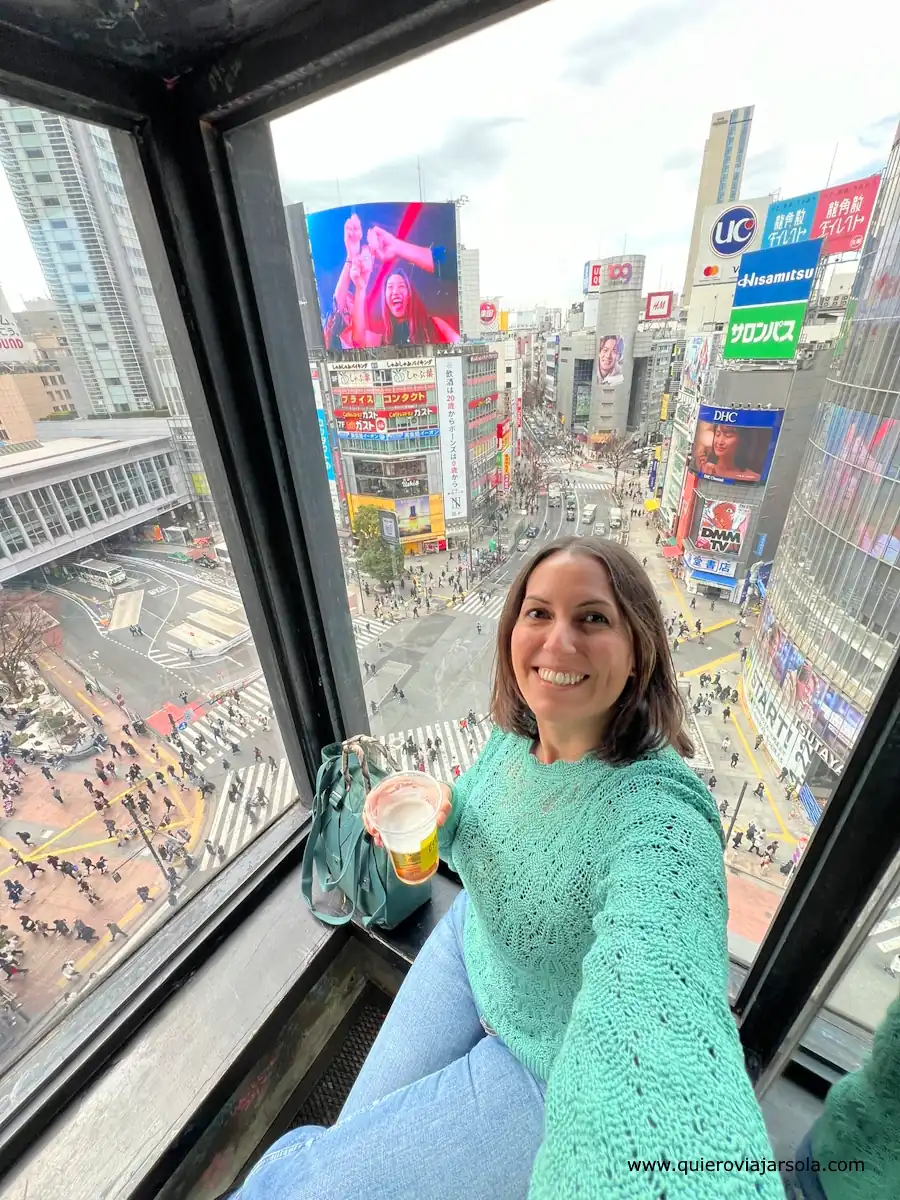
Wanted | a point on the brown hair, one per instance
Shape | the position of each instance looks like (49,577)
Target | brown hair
(649,714)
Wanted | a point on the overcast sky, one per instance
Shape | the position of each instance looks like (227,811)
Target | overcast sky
(577,126)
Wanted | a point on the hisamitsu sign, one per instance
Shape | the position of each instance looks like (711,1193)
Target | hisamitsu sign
(764,331)
(776,276)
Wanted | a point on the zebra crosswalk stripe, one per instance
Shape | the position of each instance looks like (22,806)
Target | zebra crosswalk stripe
(232,828)
(473,605)
(457,745)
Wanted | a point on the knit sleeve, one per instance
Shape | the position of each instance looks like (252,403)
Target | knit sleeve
(461,790)
(651,1066)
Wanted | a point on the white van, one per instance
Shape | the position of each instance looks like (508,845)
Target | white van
(615,518)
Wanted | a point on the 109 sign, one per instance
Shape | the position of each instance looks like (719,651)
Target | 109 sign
(732,231)
(619,271)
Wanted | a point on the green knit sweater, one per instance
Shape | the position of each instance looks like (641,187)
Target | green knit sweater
(595,945)
(861,1121)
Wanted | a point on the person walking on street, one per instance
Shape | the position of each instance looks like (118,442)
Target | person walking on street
(751,831)
(70,971)
(273,765)
(726,712)
(711,782)
(144,895)
(743,655)
(693,598)
(57,795)
(53,860)
(758,742)
(83,933)
(759,790)
(24,838)
(257,754)
(46,772)
(726,743)
(723,807)
(737,839)
(33,868)
(115,931)
(61,927)
(734,759)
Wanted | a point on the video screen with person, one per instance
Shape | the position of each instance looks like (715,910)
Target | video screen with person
(735,445)
(386,274)
(610,353)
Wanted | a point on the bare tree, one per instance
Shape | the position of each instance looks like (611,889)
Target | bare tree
(619,451)
(23,624)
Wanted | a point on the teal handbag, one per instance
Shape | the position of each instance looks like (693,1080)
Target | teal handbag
(345,856)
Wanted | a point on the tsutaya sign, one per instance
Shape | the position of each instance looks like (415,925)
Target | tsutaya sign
(789,738)
(766,331)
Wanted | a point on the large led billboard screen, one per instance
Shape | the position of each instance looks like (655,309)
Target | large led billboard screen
(386,274)
(735,445)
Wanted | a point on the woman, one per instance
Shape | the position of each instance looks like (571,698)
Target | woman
(405,320)
(570,1012)
(728,456)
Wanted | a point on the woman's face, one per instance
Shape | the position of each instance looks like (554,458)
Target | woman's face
(571,647)
(725,442)
(607,356)
(396,296)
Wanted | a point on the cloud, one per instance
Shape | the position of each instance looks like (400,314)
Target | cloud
(762,171)
(596,57)
(471,153)
(681,160)
(872,167)
(879,133)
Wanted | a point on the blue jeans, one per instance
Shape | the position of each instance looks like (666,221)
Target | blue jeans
(441,1107)
(806,1185)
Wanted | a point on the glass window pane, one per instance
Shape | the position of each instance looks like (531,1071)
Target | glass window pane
(111,534)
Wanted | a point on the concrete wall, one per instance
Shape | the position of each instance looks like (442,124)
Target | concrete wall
(15,419)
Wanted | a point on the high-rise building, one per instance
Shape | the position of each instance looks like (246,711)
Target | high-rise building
(721,173)
(470,293)
(66,182)
(830,624)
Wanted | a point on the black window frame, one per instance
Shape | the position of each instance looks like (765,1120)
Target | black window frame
(203,186)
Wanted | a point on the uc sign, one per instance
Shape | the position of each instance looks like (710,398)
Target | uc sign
(620,271)
(732,230)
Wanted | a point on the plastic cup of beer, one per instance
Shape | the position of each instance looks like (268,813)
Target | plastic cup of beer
(404,809)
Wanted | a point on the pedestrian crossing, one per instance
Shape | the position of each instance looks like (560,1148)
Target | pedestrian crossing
(457,745)
(587,485)
(212,736)
(165,658)
(491,609)
(234,824)
(367,630)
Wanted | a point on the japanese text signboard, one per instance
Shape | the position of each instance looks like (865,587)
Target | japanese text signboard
(842,214)
(764,331)
(451,405)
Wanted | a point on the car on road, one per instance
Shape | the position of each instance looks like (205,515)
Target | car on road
(599,529)
(523,543)
(531,531)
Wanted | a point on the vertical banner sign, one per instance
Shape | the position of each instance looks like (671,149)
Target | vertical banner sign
(388,527)
(453,445)
(843,212)
(323,426)
(789,221)
(651,478)
(518,412)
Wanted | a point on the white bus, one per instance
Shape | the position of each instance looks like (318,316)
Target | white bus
(108,575)
(588,514)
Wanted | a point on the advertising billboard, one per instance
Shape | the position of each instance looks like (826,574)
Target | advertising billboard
(735,445)
(697,377)
(658,306)
(388,527)
(12,345)
(651,477)
(610,361)
(774,276)
(664,407)
(789,221)
(842,214)
(386,274)
(593,276)
(413,514)
(723,527)
(764,331)
(489,316)
(451,416)
(805,691)
(726,232)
